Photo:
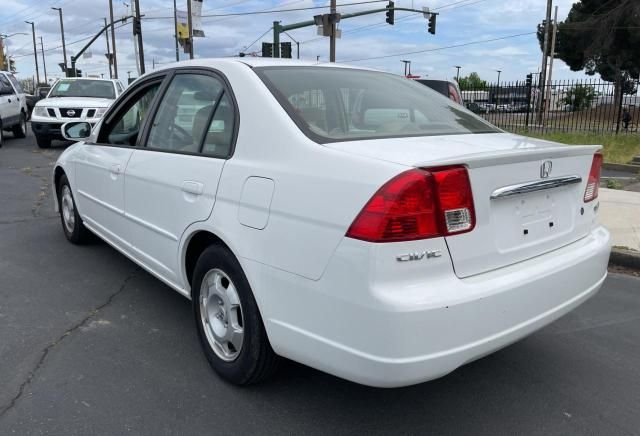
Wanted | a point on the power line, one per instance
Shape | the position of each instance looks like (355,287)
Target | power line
(258,38)
(482,41)
(271,11)
(67,44)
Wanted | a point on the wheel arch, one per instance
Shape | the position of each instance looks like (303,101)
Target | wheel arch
(58,172)
(198,241)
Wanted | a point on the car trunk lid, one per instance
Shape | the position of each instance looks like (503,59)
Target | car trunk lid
(528,193)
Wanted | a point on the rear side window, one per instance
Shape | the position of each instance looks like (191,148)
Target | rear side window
(339,104)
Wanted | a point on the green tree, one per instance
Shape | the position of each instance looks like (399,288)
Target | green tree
(601,36)
(579,97)
(472,82)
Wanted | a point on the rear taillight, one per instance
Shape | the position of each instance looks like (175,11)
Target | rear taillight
(418,204)
(591,192)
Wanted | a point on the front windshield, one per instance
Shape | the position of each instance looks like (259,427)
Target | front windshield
(338,104)
(83,88)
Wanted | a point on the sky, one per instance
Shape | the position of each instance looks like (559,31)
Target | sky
(367,41)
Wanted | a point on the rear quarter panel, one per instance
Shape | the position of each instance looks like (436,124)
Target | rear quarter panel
(317,191)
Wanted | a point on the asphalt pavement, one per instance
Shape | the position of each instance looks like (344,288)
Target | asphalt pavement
(91,344)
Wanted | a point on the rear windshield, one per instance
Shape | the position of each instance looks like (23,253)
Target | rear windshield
(83,88)
(339,104)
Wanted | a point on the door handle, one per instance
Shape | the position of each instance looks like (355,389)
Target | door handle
(115,169)
(191,187)
(9,100)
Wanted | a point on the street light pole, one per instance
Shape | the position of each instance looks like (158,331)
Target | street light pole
(332,37)
(498,87)
(44,63)
(64,47)
(458,73)
(190,26)
(35,50)
(113,41)
(405,66)
(175,29)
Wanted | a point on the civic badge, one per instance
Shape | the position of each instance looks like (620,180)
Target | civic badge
(545,169)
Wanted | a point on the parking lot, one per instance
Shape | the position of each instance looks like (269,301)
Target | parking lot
(91,344)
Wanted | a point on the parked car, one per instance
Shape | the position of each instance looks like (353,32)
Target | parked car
(477,108)
(304,221)
(39,93)
(76,98)
(444,87)
(13,107)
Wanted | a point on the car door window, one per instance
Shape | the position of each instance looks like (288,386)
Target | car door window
(125,127)
(16,84)
(184,114)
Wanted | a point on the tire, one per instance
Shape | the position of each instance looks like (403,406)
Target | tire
(72,226)
(1,134)
(220,315)
(20,129)
(43,141)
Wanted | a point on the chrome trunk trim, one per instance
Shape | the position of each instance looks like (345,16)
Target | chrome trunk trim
(538,185)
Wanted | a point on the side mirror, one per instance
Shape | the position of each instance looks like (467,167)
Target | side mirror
(76,130)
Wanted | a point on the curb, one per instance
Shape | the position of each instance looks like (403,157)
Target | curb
(635,169)
(626,258)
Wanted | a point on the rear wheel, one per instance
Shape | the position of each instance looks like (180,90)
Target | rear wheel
(43,141)
(20,129)
(229,324)
(74,229)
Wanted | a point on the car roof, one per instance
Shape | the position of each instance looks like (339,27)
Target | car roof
(255,62)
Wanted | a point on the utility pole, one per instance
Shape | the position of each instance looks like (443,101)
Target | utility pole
(137,28)
(44,63)
(543,70)
(113,41)
(106,35)
(35,50)
(552,54)
(64,47)
(332,37)
(175,29)
(2,57)
(458,73)
(190,26)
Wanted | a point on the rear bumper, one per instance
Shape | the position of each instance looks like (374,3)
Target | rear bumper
(399,332)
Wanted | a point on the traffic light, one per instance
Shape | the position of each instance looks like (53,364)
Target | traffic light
(285,50)
(137,27)
(529,79)
(432,24)
(267,50)
(390,13)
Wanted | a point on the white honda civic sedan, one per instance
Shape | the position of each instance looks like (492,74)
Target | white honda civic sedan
(348,219)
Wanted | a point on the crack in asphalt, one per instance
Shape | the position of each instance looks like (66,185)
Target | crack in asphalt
(83,322)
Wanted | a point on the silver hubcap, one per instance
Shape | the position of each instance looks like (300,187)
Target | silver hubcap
(221,315)
(68,209)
